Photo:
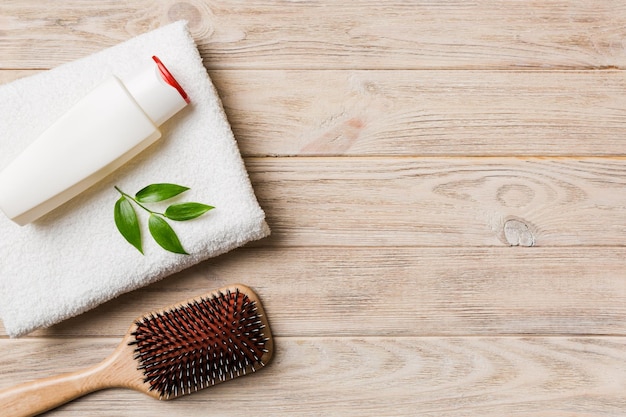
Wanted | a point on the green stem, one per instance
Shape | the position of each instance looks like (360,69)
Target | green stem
(137,202)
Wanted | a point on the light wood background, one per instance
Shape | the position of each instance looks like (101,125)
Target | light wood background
(446,186)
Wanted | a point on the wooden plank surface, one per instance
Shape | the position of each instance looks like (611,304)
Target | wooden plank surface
(399,291)
(426,113)
(362,34)
(445,183)
(491,376)
(443,201)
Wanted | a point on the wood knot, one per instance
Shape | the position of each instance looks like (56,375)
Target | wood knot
(185,11)
(517,233)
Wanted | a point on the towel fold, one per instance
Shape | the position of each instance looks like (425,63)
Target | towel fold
(74,258)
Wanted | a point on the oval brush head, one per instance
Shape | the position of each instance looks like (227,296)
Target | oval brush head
(165,354)
(201,342)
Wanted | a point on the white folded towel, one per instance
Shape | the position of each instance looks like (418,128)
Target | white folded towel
(74,258)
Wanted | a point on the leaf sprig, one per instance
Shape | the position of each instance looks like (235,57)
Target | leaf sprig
(127,222)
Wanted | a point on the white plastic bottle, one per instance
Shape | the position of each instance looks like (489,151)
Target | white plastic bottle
(104,130)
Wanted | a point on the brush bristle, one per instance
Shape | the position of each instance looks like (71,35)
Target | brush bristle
(201,343)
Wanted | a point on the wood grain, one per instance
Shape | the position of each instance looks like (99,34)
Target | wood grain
(441,201)
(360,34)
(7,76)
(399,291)
(561,376)
(425,113)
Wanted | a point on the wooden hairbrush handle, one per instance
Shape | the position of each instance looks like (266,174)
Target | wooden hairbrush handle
(36,397)
(33,398)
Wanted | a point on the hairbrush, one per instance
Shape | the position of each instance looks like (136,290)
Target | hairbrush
(168,353)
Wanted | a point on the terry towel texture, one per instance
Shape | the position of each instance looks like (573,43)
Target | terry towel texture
(74,258)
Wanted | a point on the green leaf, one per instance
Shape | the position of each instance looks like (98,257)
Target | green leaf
(186,211)
(159,192)
(164,235)
(127,223)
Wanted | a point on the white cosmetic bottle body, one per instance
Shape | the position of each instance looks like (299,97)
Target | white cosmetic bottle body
(100,133)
